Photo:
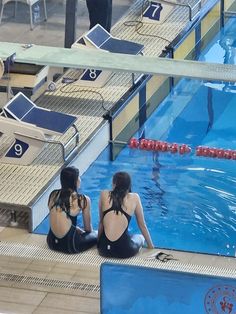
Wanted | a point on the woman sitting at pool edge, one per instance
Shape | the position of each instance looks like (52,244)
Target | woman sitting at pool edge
(65,205)
(116,208)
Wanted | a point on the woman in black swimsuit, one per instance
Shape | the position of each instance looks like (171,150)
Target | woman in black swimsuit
(116,208)
(64,206)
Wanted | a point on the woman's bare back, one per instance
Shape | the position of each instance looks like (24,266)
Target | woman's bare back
(115,223)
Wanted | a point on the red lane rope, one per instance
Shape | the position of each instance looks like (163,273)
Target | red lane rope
(161,146)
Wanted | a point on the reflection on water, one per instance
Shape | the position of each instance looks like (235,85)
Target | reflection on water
(156,193)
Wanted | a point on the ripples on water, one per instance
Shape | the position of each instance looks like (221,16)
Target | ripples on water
(189,201)
(188,204)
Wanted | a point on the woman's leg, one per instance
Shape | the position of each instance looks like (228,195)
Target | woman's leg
(109,15)
(128,246)
(50,240)
(138,240)
(86,240)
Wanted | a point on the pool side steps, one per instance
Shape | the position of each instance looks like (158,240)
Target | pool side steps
(162,146)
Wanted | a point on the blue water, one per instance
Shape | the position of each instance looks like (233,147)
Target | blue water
(163,291)
(189,202)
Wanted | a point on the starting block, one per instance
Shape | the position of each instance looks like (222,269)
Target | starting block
(25,128)
(157,12)
(28,78)
(99,38)
(20,142)
(23,109)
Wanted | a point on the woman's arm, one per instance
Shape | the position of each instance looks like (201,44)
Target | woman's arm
(141,223)
(52,199)
(86,213)
(100,226)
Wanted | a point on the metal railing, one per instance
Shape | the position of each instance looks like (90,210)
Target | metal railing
(65,156)
(191,9)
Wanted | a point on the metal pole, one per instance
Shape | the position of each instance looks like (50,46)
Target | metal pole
(70,22)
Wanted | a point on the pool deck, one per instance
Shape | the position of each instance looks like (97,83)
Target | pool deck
(36,280)
(40,281)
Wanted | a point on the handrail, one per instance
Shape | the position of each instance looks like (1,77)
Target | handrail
(63,146)
(230,13)
(74,136)
(199,4)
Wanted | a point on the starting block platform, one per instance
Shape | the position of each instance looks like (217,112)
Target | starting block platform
(26,77)
(22,109)
(99,38)
(25,129)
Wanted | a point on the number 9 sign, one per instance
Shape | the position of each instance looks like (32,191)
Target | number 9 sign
(18,149)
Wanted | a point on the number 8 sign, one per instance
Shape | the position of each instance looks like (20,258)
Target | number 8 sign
(90,75)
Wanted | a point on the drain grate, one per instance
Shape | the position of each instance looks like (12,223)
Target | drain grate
(91,258)
(52,283)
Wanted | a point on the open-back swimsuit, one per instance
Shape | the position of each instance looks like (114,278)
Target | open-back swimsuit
(126,246)
(72,241)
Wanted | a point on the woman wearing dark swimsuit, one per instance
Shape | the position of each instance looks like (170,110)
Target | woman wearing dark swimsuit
(116,208)
(64,206)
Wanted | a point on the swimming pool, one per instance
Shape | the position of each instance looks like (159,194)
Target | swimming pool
(189,201)
(163,291)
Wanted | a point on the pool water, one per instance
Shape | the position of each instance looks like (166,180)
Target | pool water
(189,201)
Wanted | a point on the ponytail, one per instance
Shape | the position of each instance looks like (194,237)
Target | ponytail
(122,185)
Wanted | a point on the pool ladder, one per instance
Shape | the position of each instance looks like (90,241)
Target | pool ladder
(229,13)
(193,10)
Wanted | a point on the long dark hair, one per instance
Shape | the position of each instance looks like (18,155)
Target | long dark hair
(122,185)
(69,178)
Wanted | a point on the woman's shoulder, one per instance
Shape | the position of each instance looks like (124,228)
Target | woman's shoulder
(80,196)
(105,193)
(53,197)
(54,193)
(82,200)
(133,196)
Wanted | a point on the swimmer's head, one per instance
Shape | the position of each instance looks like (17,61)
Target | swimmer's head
(122,181)
(69,178)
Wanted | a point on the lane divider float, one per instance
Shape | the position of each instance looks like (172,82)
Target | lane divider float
(215,152)
(162,146)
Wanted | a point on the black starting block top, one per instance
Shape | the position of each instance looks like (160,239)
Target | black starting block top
(51,122)
(100,38)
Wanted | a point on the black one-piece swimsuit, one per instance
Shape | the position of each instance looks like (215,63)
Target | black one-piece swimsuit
(123,247)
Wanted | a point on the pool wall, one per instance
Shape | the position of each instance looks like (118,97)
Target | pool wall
(145,96)
(136,289)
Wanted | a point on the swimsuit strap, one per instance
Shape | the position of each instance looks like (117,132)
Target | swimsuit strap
(117,210)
